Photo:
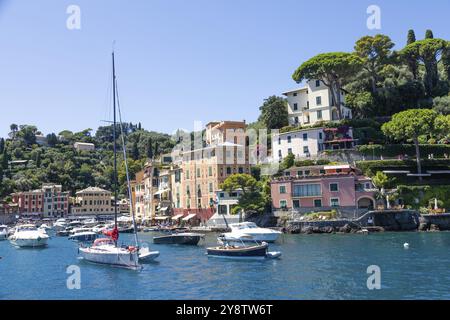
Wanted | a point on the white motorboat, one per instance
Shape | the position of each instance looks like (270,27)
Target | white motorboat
(60,224)
(90,222)
(29,236)
(83,236)
(3,232)
(80,229)
(249,231)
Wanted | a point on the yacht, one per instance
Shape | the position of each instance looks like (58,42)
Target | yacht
(83,236)
(249,231)
(29,236)
(60,224)
(90,222)
(3,232)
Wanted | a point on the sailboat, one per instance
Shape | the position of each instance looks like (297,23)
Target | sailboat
(106,250)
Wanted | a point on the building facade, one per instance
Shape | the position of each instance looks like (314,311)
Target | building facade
(84,146)
(306,189)
(203,170)
(93,201)
(48,202)
(56,202)
(313,103)
(307,143)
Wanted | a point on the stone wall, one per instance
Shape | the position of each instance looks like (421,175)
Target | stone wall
(388,220)
(435,222)
(396,220)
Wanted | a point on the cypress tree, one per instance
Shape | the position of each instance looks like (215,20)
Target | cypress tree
(5,159)
(429,34)
(156,148)
(411,60)
(149,148)
(135,151)
(2,145)
(38,160)
(411,37)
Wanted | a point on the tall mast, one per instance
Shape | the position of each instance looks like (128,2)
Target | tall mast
(114,138)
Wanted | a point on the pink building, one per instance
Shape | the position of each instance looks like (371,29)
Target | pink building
(48,202)
(314,188)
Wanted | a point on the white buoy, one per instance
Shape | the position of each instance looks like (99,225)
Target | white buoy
(406,245)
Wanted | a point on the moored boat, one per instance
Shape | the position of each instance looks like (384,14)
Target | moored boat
(105,250)
(254,251)
(186,238)
(249,231)
(83,236)
(28,236)
(3,232)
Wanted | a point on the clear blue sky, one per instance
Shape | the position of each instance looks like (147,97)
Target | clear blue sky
(177,60)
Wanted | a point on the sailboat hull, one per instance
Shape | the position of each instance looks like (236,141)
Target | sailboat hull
(117,257)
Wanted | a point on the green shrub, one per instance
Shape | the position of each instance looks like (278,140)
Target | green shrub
(422,196)
(394,150)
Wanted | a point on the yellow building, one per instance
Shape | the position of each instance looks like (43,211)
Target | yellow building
(93,201)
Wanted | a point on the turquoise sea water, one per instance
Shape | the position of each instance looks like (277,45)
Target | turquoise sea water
(312,267)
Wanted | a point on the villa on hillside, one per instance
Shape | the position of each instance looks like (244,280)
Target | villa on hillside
(309,143)
(84,146)
(318,188)
(313,103)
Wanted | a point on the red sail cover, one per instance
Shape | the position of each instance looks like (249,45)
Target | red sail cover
(113,234)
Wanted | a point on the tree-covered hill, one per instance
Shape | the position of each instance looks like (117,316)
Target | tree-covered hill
(27,160)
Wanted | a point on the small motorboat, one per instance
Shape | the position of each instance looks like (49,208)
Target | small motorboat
(3,232)
(145,255)
(254,251)
(83,236)
(186,238)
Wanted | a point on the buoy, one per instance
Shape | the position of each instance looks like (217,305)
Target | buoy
(406,245)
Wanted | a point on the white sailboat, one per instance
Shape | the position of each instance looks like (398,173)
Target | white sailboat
(105,250)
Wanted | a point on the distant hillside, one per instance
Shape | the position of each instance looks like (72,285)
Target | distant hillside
(53,158)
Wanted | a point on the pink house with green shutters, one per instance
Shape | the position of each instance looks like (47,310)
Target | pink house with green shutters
(315,188)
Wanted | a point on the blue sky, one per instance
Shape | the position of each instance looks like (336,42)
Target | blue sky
(177,60)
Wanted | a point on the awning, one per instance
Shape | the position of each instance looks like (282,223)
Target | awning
(178,216)
(163,208)
(189,217)
(162,218)
(161,191)
(342,166)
